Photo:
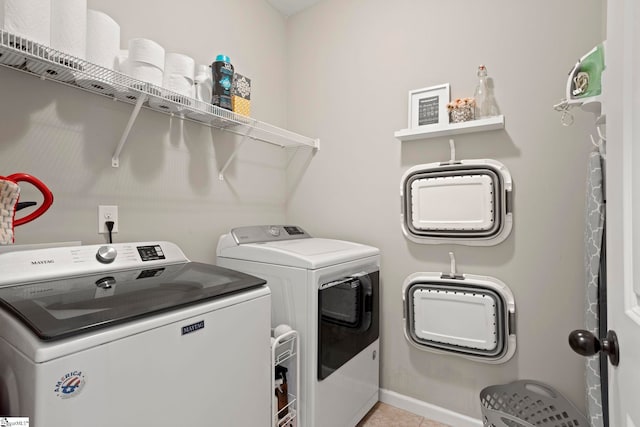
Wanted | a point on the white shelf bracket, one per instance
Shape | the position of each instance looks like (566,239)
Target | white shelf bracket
(233,155)
(115,160)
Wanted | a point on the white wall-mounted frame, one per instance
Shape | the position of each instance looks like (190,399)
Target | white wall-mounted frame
(428,106)
(462,209)
(448,321)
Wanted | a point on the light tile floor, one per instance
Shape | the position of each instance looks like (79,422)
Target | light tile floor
(383,415)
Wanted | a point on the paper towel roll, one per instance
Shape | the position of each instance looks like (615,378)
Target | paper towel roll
(69,26)
(103,39)
(29,19)
(146,51)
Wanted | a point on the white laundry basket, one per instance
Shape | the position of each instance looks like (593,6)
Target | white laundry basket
(528,403)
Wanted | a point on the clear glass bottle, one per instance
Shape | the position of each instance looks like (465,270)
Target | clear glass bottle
(481,94)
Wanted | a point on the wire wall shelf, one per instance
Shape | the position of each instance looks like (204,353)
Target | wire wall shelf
(27,56)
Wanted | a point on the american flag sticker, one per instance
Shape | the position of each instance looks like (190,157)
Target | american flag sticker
(69,385)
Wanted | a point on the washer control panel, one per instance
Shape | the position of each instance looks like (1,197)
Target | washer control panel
(50,263)
(268,233)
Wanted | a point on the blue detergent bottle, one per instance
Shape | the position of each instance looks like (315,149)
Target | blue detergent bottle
(222,73)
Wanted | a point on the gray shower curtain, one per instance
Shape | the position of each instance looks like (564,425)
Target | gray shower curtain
(595,284)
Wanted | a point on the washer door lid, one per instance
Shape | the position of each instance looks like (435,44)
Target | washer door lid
(70,306)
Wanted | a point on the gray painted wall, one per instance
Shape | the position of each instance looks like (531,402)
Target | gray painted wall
(351,65)
(167,185)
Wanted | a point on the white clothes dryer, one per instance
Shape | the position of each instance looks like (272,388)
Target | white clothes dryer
(328,290)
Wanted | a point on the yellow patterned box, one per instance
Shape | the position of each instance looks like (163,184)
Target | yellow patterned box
(241,95)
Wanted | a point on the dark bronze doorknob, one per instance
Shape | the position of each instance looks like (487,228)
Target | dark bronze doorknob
(585,343)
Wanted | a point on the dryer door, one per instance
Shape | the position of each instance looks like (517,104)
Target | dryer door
(347,319)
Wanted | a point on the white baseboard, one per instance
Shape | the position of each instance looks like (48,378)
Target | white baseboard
(428,410)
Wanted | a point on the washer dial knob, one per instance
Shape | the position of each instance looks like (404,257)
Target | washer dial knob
(106,254)
(274,231)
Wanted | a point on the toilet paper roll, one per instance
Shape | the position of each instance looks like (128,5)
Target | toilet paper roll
(29,19)
(125,92)
(24,20)
(281,330)
(103,48)
(179,64)
(69,27)
(144,71)
(103,39)
(177,83)
(68,36)
(146,51)
(179,73)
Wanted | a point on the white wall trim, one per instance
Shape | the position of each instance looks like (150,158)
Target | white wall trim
(427,410)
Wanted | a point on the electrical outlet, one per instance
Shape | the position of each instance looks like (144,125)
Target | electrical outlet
(107,213)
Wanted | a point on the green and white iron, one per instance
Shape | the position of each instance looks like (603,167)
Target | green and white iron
(585,79)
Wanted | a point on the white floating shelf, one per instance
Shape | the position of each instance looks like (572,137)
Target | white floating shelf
(435,131)
(27,56)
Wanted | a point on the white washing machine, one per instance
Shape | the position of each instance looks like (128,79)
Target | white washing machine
(328,290)
(132,335)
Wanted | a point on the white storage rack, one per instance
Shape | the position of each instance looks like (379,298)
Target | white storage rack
(25,55)
(284,351)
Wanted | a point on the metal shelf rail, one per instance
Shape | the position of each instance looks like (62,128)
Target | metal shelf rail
(27,56)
